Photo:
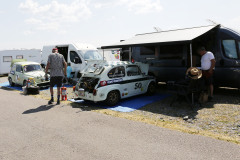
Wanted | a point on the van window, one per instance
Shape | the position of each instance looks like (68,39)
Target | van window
(19,57)
(147,50)
(133,70)
(7,58)
(19,68)
(117,72)
(230,49)
(74,55)
(171,52)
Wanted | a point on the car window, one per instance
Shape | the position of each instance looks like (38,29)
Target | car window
(117,72)
(74,55)
(18,68)
(32,67)
(230,49)
(13,68)
(133,70)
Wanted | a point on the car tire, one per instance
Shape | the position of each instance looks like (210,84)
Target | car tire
(151,88)
(11,82)
(113,98)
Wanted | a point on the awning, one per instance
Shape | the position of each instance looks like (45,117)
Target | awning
(179,35)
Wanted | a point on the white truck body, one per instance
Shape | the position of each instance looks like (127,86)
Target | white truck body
(6,57)
(84,52)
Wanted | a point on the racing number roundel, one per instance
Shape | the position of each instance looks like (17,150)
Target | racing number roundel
(138,85)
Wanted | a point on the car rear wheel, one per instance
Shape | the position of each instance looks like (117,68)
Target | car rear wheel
(113,98)
(10,81)
(151,88)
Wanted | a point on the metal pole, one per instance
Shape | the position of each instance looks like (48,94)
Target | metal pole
(130,54)
(103,54)
(191,54)
(191,66)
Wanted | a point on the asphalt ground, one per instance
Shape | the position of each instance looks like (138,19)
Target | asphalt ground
(31,129)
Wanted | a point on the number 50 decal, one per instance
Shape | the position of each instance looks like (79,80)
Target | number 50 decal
(138,85)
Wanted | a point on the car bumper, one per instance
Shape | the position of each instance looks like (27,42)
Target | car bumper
(89,96)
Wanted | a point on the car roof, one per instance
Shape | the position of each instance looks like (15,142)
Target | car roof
(26,63)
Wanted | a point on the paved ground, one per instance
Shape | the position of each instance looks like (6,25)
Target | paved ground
(30,129)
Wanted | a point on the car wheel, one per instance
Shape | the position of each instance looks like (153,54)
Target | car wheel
(113,98)
(151,88)
(10,81)
(24,83)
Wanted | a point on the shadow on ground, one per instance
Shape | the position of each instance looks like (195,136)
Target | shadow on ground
(182,108)
(39,109)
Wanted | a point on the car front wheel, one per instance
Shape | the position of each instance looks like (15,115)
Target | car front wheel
(113,98)
(10,81)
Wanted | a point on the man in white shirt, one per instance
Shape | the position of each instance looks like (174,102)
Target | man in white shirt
(207,66)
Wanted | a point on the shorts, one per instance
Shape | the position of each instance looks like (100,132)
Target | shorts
(56,81)
(208,78)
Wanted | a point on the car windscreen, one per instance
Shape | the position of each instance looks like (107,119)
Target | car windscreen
(31,67)
(91,55)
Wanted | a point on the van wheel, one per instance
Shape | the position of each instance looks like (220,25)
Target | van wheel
(113,98)
(151,88)
(24,83)
(11,82)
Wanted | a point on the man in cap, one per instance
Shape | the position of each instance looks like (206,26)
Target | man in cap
(207,66)
(56,63)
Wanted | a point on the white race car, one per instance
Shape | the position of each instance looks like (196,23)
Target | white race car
(112,81)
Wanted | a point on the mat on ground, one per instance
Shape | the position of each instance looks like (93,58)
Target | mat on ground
(19,88)
(129,104)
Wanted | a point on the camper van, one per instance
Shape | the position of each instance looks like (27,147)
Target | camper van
(76,55)
(170,53)
(7,56)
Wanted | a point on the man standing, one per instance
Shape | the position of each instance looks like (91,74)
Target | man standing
(207,66)
(56,63)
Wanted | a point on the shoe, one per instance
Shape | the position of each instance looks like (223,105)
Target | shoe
(58,102)
(50,102)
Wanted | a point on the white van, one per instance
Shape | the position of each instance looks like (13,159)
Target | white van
(6,57)
(76,55)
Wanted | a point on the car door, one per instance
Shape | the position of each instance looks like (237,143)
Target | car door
(117,76)
(134,78)
(13,73)
(19,75)
(76,65)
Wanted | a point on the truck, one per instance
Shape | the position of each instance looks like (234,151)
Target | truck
(77,55)
(6,57)
(170,53)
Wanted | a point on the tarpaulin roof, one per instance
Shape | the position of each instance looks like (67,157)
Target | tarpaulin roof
(179,35)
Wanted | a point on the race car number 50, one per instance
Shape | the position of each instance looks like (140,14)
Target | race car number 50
(138,85)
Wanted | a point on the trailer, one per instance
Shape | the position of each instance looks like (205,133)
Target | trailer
(6,57)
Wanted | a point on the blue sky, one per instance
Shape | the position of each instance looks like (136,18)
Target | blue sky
(34,23)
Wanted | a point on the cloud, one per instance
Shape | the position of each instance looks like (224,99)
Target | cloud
(135,6)
(53,15)
(142,6)
(28,32)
